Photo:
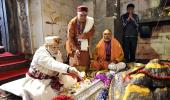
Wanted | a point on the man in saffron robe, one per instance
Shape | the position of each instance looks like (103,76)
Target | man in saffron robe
(107,51)
(80,28)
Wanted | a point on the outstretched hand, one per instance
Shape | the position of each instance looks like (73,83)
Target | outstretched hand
(75,73)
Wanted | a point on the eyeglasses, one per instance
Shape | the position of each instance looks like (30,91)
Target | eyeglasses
(55,47)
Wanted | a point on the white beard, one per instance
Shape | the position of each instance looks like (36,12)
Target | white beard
(58,56)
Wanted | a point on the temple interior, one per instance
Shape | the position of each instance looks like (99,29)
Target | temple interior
(120,51)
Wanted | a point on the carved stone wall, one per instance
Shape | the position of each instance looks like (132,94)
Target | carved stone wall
(51,17)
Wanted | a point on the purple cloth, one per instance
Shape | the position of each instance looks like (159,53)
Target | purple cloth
(104,79)
(79,27)
(108,50)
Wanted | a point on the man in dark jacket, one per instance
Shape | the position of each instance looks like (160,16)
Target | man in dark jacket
(130,23)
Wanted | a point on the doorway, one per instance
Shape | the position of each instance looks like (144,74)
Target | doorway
(9,27)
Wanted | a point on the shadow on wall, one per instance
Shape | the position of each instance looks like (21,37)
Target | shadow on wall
(150,48)
(146,51)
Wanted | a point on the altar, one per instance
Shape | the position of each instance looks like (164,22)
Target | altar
(90,92)
(150,82)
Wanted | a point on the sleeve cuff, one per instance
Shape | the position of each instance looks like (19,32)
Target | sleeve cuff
(68,70)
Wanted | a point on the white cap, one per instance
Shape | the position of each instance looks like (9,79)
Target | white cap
(50,39)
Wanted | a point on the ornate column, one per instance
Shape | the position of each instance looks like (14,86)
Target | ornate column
(24,26)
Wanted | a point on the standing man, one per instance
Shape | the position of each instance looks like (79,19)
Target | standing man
(130,23)
(80,31)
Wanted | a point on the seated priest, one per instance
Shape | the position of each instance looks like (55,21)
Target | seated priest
(107,51)
(42,81)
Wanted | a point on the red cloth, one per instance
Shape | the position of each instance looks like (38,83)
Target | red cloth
(141,70)
(55,84)
(62,97)
(75,76)
(82,8)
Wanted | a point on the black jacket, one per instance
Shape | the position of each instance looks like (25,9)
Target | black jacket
(125,22)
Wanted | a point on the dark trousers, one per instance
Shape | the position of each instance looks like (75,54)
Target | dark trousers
(129,48)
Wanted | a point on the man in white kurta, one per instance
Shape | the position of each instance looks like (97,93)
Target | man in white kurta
(46,64)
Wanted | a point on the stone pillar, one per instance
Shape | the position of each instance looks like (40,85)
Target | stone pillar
(99,14)
(100,8)
(36,22)
(113,10)
(110,7)
(101,20)
(90,6)
(24,26)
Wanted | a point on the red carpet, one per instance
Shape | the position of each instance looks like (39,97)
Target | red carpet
(10,74)
(12,66)
(13,62)
(6,54)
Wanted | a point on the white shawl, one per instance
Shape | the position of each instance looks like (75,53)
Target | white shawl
(89,24)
